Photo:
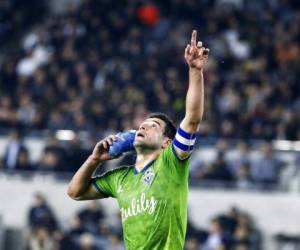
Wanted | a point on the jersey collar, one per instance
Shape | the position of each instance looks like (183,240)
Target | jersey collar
(143,170)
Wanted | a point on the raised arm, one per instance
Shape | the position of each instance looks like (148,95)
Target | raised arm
(81,187)
(196,57)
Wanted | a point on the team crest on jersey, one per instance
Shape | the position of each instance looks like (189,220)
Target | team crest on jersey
(148,177)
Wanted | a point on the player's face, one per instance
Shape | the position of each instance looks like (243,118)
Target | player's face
(150,134)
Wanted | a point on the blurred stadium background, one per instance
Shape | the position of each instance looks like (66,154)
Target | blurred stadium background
(73,71)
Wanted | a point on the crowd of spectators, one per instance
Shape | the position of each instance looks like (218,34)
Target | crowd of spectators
(55,156)
(87,230)
(233,230)
(91,229)
(103,66)
(16,16)
(243,166)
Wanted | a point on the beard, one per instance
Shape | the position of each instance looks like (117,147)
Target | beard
(146,145)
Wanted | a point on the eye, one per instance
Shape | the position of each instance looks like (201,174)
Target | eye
(153,125)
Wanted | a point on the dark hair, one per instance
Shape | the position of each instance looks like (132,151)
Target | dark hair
(170,129)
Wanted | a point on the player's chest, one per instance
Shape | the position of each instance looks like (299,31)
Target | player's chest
(147,184)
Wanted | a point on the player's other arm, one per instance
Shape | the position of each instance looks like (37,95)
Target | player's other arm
(81,187)
(196,56)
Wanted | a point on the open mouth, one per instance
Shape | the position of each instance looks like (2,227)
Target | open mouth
(140,134)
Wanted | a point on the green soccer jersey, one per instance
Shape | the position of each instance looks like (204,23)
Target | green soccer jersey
(153,202)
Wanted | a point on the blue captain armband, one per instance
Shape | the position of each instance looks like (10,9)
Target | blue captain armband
(184,140)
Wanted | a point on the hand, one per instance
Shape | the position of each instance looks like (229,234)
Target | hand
(100,152)
(195,54)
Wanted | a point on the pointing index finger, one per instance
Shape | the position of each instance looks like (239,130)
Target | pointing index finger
(194,38)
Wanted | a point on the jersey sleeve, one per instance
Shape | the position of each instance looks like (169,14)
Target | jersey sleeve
(108,182)
(184,142)
(178,169)
(169,155)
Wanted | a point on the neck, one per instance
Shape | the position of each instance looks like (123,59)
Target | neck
(145,157)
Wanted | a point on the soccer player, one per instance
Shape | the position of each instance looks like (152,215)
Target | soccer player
(152,194)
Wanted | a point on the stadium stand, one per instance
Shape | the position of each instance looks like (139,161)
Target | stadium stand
(72,77)
(101,66)
(92,71)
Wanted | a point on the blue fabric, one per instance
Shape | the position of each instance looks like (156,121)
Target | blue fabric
(177,157)
(182,146)
(124,143)
(186,135)
(144,168)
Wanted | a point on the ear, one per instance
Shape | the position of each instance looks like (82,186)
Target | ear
(166,142)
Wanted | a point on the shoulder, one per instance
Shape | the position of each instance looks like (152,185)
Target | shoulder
(175,169)
(116,171)
(170,151)
(112,176)
(169,154)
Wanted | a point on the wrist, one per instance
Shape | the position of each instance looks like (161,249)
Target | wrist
(94,160)
(195,70)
